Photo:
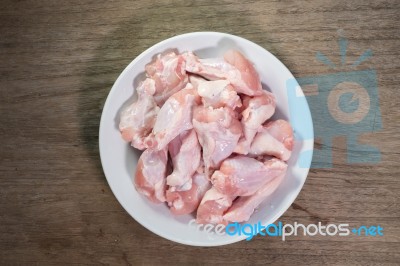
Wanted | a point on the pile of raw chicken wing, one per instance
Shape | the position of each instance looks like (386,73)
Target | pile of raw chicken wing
(209,145)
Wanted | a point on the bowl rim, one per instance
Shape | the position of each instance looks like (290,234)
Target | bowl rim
(113,91)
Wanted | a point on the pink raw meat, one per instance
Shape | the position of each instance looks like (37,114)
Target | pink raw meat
(168,72)
(186,154)
(212,207)
(257,110)
(275,138)
(218,131)
(185,202)
(242,176)
(234,67)
(151,173)
(244,207)
(174,117)
(137,120)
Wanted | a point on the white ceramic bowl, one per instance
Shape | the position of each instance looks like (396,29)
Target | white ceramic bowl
(119,159)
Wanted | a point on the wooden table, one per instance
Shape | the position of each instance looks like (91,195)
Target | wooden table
(58,61)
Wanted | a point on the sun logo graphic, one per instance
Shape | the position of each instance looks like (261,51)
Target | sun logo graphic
(344,103)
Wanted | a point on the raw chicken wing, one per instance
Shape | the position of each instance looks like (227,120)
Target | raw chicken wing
(249,80)
(257,110)
(150,174)
(168,72)
(137,120)
(242,176)
(244,207)
(218,131)
(234,67)
(275,138)
(185,153)
(174,117)
(184,202)
(212,207)
(218,93)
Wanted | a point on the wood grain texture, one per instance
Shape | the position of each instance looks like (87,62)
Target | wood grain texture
(58,60)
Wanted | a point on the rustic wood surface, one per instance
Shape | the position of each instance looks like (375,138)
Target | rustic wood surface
(59,59)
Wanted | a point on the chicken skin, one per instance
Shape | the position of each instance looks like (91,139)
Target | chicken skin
(151,173)
(212,207)
(168,72)
(218,131)
(174,117)
(234,67)
(137,120)
(187,201)
(275,139)
(257,110)
(244,207)
(242,175)
(186,154)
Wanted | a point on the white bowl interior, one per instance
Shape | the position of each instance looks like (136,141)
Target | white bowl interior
(119,159)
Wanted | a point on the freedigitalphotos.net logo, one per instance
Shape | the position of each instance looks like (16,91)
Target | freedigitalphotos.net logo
(286,230)
(344,103)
